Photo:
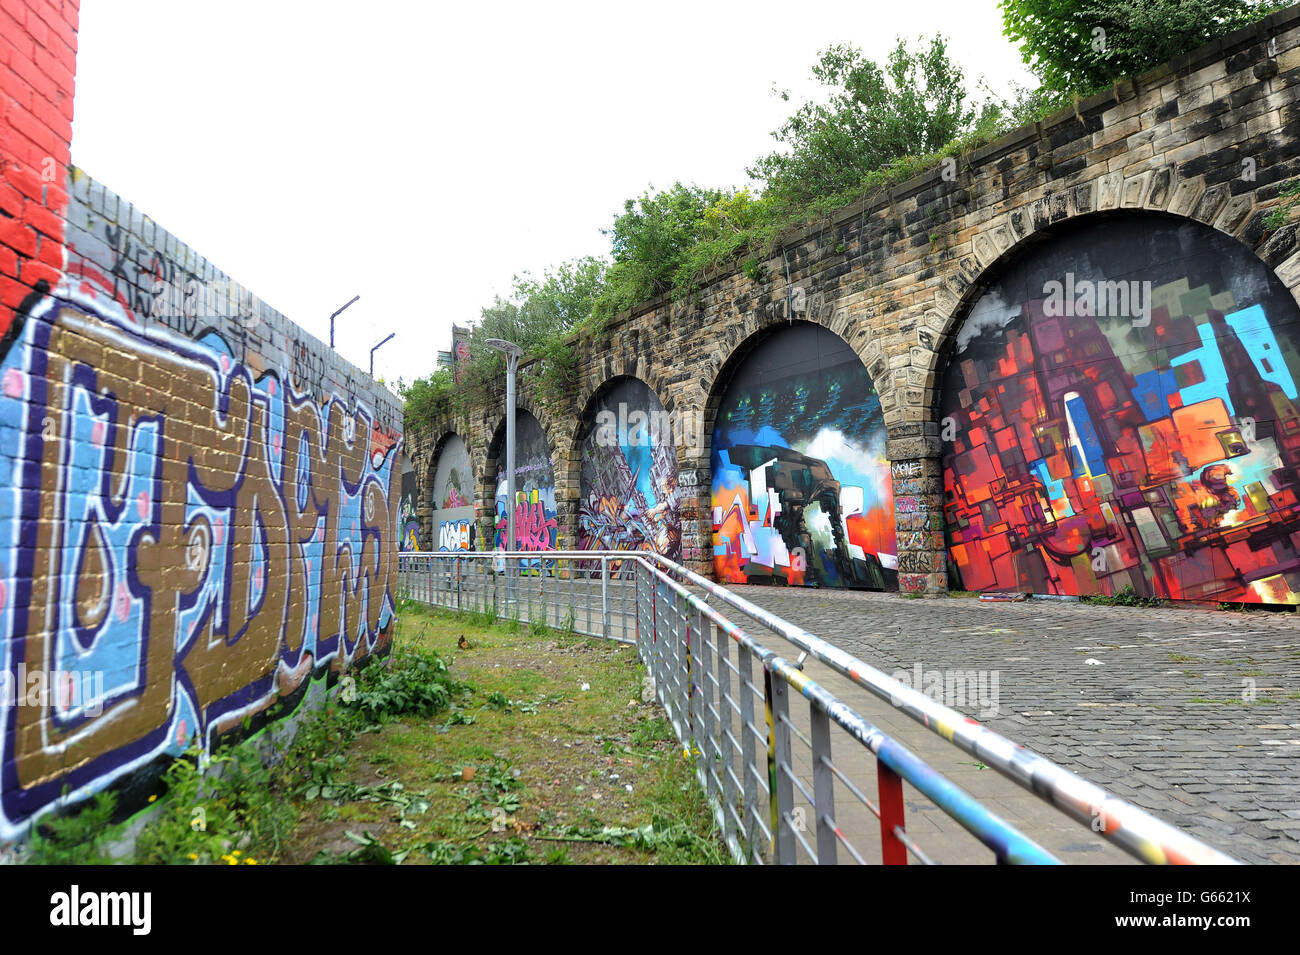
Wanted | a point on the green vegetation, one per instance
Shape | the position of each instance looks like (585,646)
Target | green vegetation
(530,746)
(873,126)
(1128,597)
(1082,46)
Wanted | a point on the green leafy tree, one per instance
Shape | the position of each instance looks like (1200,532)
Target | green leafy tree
(1081,46)
(651,240)
(914,104)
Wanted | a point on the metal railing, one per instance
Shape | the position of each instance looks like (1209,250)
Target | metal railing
(777,792)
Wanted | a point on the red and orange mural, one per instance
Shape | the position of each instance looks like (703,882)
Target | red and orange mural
(1093,450)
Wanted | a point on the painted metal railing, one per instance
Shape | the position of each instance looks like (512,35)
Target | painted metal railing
(774,787)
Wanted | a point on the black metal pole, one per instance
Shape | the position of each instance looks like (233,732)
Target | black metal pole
(335,315)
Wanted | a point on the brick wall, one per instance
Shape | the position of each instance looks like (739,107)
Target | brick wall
(198,499)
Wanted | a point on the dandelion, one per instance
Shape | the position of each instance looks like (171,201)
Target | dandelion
(250,862)
(194,857)
(152,798)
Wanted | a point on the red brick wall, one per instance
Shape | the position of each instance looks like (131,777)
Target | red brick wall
(38,62)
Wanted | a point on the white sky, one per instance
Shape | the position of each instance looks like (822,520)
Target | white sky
(421,154)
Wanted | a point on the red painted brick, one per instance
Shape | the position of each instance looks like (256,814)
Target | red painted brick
(15,87)
(17,236)
(30,272)
(56,199)
(64,102)
(43,220)
(36,28)
(55,121)
(27,180)
(11,200)
(8,262)
(12,293)
(30,72)
(50,251)
(31,127)
(49,64)
(18,38)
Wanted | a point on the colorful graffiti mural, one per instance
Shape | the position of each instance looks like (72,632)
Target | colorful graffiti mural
(629,495)
(453,498)
(535,517)
(802,493)
(407,521)
(192,528)
(1095,448)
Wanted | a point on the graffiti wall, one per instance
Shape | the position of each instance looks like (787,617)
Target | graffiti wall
(802,492)
(629,496)
(191,532)
(407,522)
(535,521)
(1122,413)
(454,525)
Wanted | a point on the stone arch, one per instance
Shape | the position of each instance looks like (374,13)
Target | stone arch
(1006,236)
(640,475)
(449,499)
(740,337)
(1160,458)
(818,479)
(535,480)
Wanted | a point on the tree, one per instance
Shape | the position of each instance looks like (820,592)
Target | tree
(913,105)
(1081,46)
(650,242)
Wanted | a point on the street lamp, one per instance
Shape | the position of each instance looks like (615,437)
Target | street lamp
(512,353)
(375,349)
(335,315)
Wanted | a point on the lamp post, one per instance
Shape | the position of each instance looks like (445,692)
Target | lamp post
(336,315)
(375,349)
(512,353)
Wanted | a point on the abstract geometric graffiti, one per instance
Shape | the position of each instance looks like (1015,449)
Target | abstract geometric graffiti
(406,519)
(199,532)
(535,519)
(630,499)
(453,507)
(802,492)
(1096,452)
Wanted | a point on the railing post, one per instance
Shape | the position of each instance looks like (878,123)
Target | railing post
(726,721)
(709,746)
(892,850)
(748,748)
(781,791)
(823,785)
(604,597)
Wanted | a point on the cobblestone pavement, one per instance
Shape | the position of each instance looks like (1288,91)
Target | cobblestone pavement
(1160,718)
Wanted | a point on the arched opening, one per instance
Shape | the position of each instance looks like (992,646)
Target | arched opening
(408,524)
(535,514)
(453,521)
(628,493)
(801,489)
(1120,411)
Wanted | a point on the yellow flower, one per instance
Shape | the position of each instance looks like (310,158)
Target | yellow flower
(194,856)
(250,862)
(235,853)
(232,861)
(152,798)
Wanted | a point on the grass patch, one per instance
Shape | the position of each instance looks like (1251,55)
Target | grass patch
(550,758)
(476,742)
